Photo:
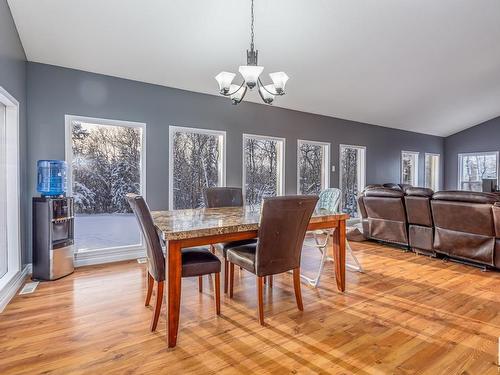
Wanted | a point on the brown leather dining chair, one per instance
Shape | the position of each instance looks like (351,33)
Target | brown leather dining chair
(217,197)
(282,229)
(196,261)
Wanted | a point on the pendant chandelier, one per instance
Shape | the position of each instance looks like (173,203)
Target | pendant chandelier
(251,77)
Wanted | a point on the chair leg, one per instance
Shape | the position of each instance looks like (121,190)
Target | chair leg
(260,298)
(270,282)
(296,287)
(151,282)
(217,293)
(200,284)
(231,279)
(159,301)
(226,275)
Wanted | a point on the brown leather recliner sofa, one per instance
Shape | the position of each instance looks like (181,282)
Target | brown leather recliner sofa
(465,226)
(458,224)
(383,215)
(420,222)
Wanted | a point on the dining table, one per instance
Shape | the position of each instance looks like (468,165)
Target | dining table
(207,226)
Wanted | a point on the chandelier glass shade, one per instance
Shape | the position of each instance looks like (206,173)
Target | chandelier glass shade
(251,77)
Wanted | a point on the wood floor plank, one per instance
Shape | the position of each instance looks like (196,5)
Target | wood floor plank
(406,314)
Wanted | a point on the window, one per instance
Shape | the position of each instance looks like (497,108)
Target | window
(10,249)
(106,159)
(475,167)
(197,161)
(352,177)
(263,167)
(409,168)
(313,166)
(432,171)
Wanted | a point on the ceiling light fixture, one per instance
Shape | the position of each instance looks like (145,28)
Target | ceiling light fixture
(251,77)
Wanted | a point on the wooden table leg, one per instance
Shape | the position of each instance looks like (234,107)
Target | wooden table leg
(339,238)
(174,267)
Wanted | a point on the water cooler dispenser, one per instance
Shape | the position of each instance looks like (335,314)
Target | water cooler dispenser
(53,223)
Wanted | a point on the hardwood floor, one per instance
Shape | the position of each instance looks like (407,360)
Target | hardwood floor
(406,314)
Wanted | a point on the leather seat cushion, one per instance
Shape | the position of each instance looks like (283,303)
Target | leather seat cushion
(197,261)
(243,256)
(225,246)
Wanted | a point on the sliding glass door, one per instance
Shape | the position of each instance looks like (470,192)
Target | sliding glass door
(352,177)
(107,162)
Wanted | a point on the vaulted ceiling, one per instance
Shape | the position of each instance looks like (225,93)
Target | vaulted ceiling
(430,66)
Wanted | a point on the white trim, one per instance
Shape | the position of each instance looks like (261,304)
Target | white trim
(13,204)
(462,154)
(415,175)
(325,178)
(437,187)
(281,182)
(14,284)
(117,254)
(183,129)
(68,119)
(361,168)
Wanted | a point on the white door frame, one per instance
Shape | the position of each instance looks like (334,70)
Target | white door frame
(222,160)
(13,202)
(325,179)
(116,253)
(416,154)
(281,182)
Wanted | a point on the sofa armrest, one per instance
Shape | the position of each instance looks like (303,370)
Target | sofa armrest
(496,218)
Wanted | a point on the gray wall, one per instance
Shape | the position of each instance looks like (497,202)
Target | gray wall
(54,92)
(482,137)
(13,79)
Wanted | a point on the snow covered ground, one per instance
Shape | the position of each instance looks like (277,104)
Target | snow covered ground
(101,231)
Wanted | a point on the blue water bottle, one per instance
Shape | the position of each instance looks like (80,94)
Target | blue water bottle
(52,177)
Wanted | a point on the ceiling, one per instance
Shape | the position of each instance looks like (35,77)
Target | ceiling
(427,66)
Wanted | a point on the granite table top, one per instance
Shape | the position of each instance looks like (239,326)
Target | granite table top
(192,223)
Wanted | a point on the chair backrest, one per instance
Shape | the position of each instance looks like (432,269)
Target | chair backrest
(329,199)
(223,197)
(282,230)
(156,259)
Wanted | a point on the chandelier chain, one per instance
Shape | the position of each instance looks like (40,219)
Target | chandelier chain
(252,35)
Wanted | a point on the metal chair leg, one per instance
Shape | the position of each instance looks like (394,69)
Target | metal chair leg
(322,247)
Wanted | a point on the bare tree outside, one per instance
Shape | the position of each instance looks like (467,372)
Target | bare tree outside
(311,168)
(263,160)
(432,171)
(196,161)
(475,168)
(409,167)
(106,165)
(349,184)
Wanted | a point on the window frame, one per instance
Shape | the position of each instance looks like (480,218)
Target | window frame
(325,178)
(438,183)
(417,157)
(460,155)
(362,167)
(13,191)
(185,129)
(81,256)
(281,185)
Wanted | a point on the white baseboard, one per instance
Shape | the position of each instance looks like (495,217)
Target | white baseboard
(10,290)
(107,256)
